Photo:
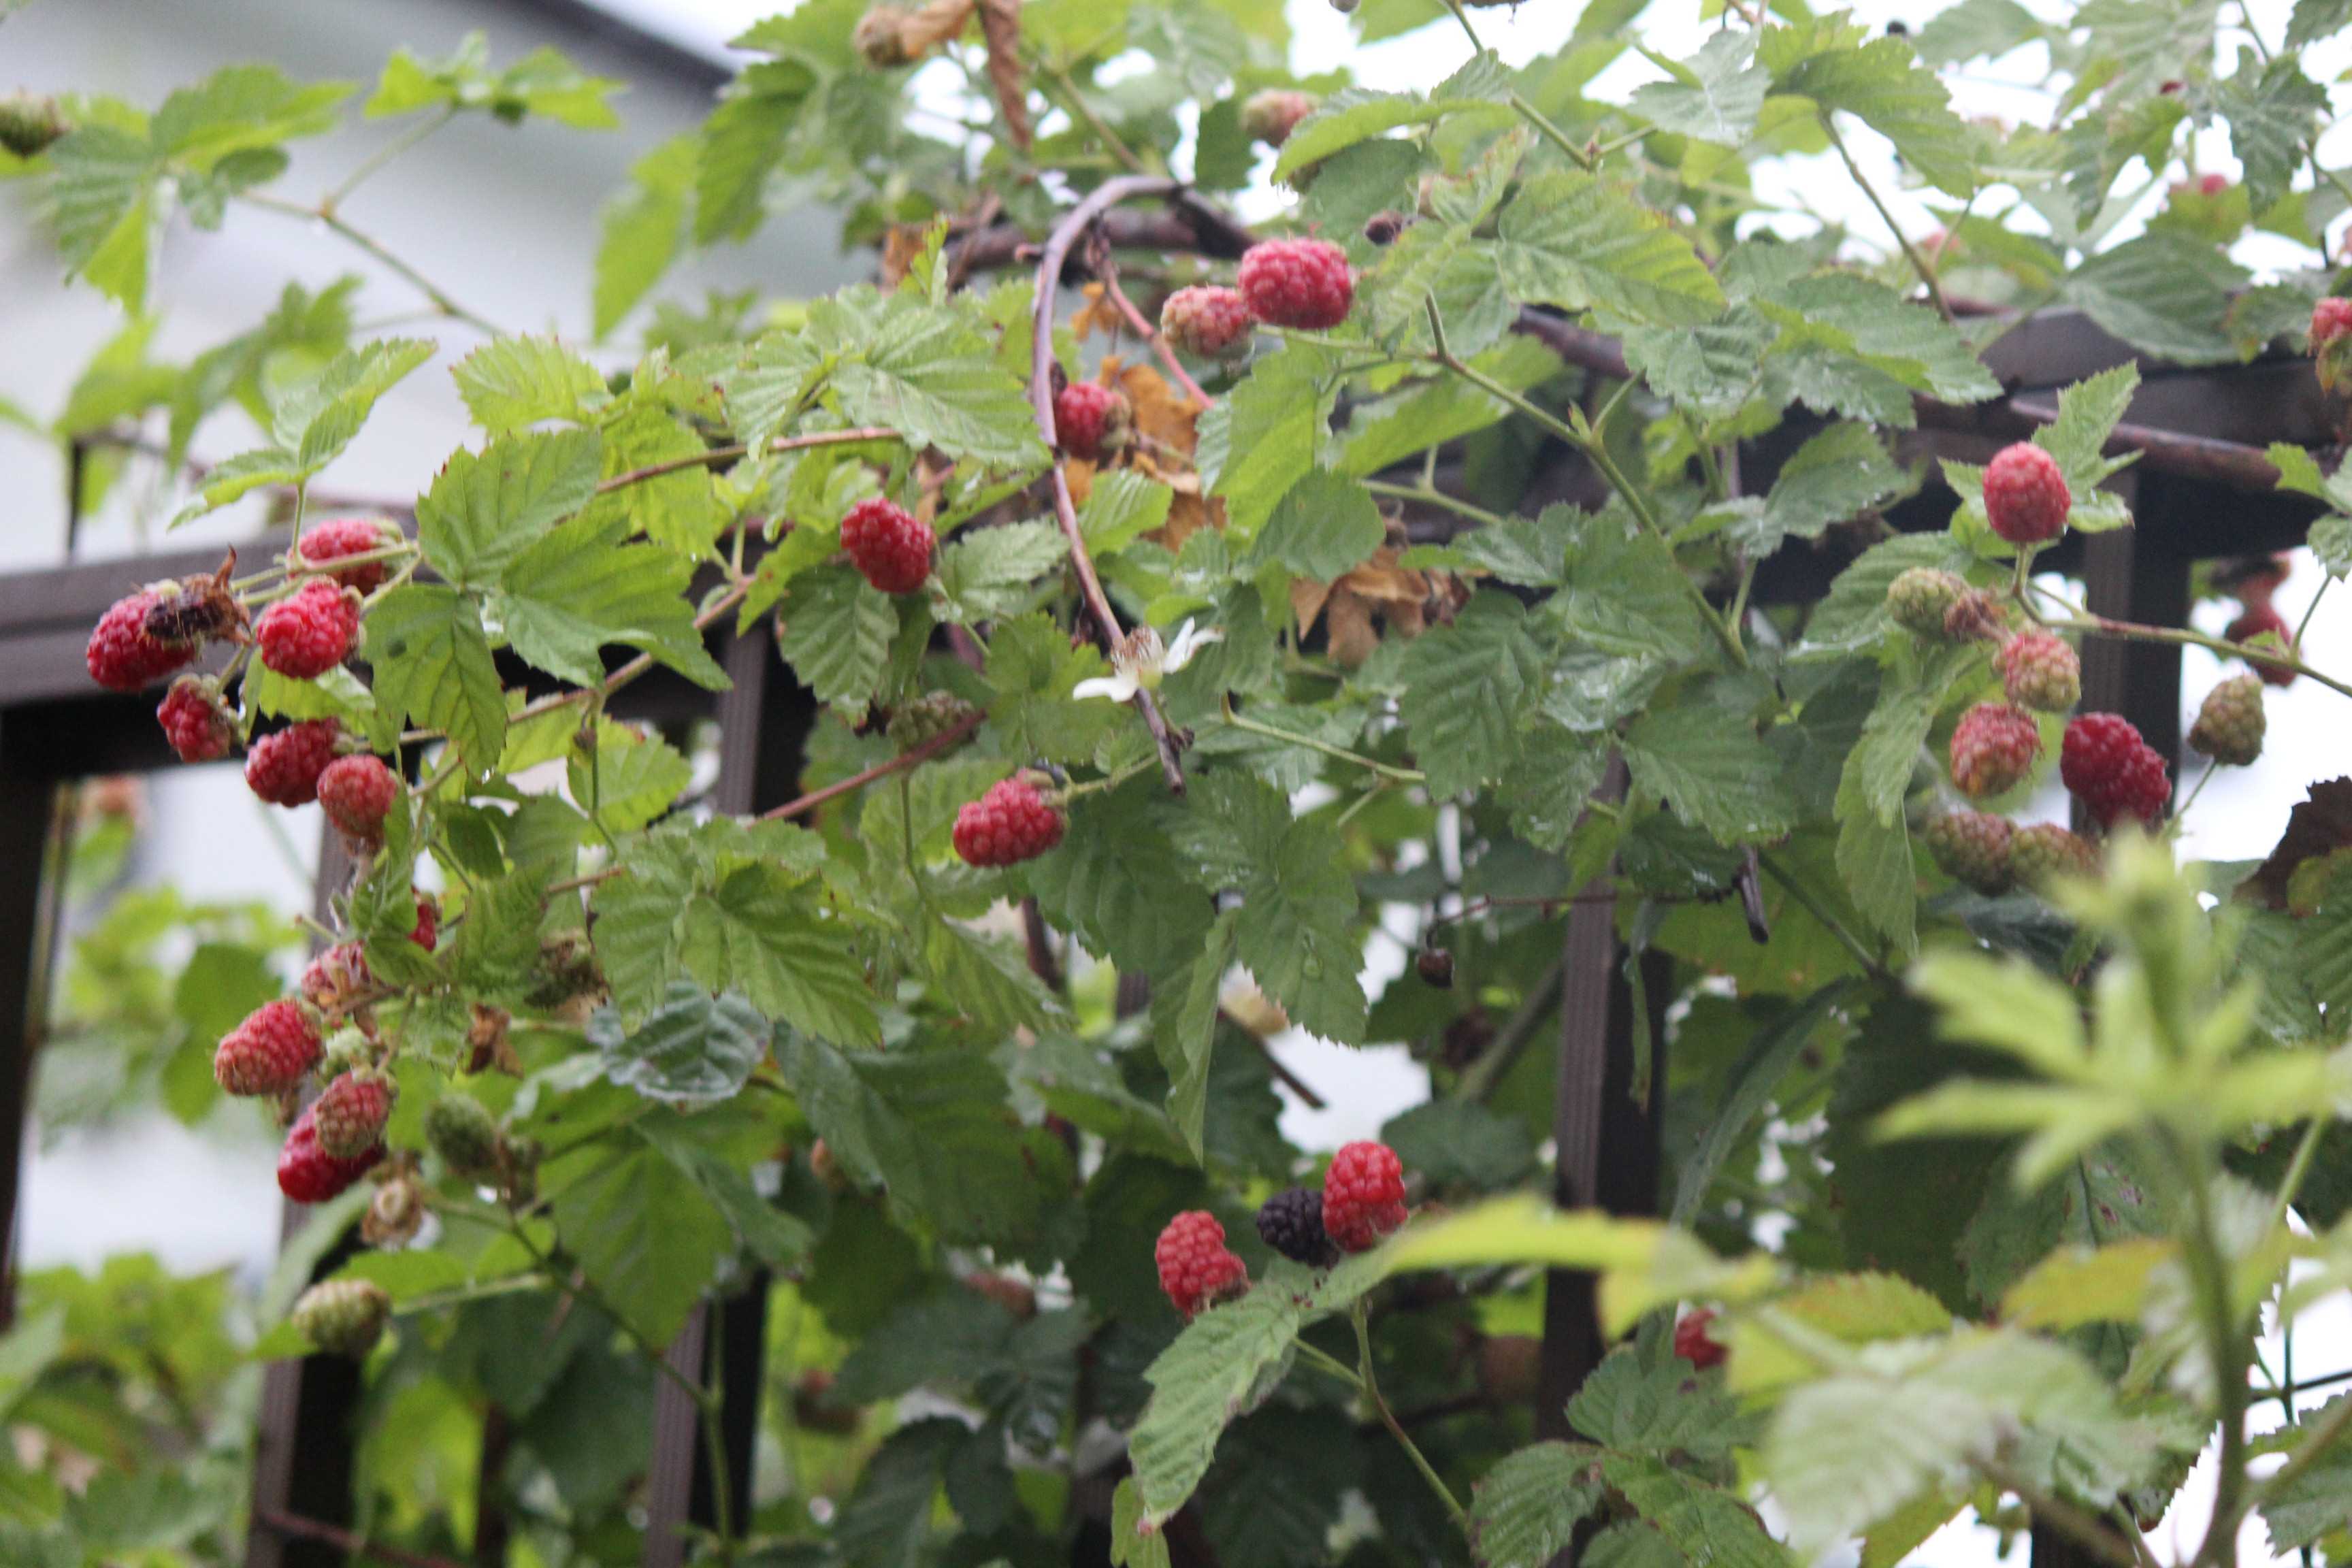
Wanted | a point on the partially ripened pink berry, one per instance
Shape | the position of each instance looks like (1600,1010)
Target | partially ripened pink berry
(1993,748)
(2025,495)
(1208,321)
(269,1052)
(1299,283)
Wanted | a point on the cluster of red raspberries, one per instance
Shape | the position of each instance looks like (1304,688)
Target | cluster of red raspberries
(308,629)
(1363,1200)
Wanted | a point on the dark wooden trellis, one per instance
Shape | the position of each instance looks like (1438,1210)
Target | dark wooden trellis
(2201,490)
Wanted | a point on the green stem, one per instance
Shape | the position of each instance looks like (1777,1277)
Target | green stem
(1584,157)
(2291,1184)
(1437,497)
(1360,1317)
(1399,775)
(1830,921)
(1919,263)
(2202,780)
(2325,582)
(712,1405)
(364,241)
(1323,1360)
(1594,449)
(383,155)
(1468,31)
(2209,1276)
(2180,637)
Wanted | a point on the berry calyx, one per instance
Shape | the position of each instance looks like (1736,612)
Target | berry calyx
(2230,723)
(2025,496)
(1694,1345)
(1271,116)
(123,656)
(337,979)
(304,637)
(322,547)
(2112,770)
(1993,748)
(1363,1194)
(890,547)
(203,607)
(195,724)
(1298,283)
(2267,631)
(30,123)
(1197,1270)
(1920,598)
(350,1113)
(1093,422)
(307,1173)
(357,792)
(2043,851)
(1292,1223)
(1208,322)
(461,1129)
(1976,617)
(269,1052)
(283,767)
(343,1317)
(1972,849)
(2039,670)
(1010,823)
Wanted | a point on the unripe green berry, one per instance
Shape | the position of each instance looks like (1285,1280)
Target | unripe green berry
(464,1133)
(1919,600)
(343,1317)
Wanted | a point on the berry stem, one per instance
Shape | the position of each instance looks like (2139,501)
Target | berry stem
(1141,325)
(1056,253)
(1394,774)
(1830,921)
(719,455)
(2090,624)
(1360,1316)
(903,760)
(1919,263)
(1436,498)
(361,239)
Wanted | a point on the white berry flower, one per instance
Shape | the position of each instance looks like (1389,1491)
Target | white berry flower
(1142,660)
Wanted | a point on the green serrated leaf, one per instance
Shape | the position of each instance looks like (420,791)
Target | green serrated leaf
(1322,526)
(509,383)
(485,508)
(432,665)
(1467,688)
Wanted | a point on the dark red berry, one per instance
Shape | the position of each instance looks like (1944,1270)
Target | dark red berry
(1694,1345)
(2025,495)
(1010,823)
(1363,1194)
(357,792)
(1196,1268)
(330,542)
(307,1173)
(1093,422)
(304,637)
(1298,283)
(123,656)
(194,723)
(2260,620)
(890,547)
(269,1052)
(283,767)
(2112,770)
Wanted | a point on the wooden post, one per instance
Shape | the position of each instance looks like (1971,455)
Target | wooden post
(2141,573)
(305,1450)
(29,826)
(1607,1142)
(763,726)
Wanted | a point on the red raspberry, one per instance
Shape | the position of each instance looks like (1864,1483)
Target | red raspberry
(2025,495)
(338,537)
(194,723)
(1694,1345)
(1298,283)
(1209,320)
(1972,849)
(2230,723)
(2112,770)
(304,637)
(427,933)
(122,656)
(1993,748)
(283,767)
(2212,185)
(1093,422)
(2330,320)
(1010,823)
(1196,1268)
(269,1052)
(350,1112)
(2039,853)
(1271,116)
(889,544)
(357,792)
(2262,621)
(1363,1195)
(307,1173)
(2038,670)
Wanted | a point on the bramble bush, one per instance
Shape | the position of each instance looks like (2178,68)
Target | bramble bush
(1304,587)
